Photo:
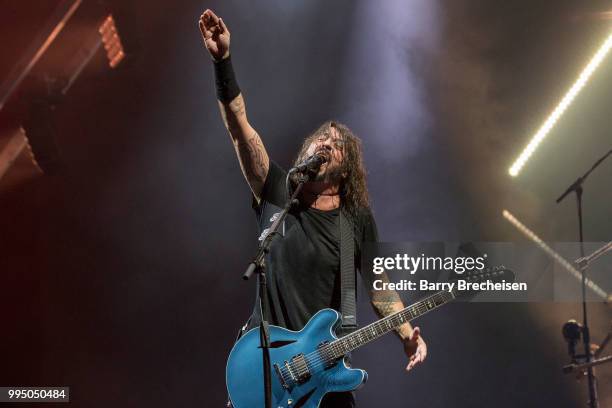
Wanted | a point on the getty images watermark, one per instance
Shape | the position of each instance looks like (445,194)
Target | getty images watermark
(482,271)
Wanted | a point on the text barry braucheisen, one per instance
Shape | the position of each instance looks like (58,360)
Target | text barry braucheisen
(460,285)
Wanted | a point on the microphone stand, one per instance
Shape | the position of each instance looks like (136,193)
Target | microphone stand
(577,187)
(258,266)
(570,368)
(573,367)
(587,260)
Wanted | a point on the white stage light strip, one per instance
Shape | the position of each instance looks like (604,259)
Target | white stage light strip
(554,255)
(561,107)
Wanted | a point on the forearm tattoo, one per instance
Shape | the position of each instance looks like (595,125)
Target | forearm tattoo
(387,302)
(232,111)
(252,158)
(250,150)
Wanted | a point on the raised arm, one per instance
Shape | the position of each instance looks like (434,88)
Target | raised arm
(250,150)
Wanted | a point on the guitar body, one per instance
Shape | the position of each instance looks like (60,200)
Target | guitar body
(308,364)
(244,372)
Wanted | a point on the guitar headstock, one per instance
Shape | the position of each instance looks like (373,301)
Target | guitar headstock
(493,274)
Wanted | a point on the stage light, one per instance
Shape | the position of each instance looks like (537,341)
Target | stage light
(553,254)
(111,41)
(561,107)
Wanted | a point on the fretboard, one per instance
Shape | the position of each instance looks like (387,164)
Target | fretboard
(358,338)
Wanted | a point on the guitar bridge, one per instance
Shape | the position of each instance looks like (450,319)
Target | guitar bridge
(281,377)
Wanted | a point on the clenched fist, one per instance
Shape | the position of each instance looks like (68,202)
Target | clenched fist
(215,34)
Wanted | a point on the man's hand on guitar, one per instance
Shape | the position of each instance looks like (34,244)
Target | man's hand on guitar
(215,35)
(415,348)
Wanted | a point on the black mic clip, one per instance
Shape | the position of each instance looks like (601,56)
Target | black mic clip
(311,165)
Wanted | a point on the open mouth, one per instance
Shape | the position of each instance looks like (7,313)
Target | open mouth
(325,153)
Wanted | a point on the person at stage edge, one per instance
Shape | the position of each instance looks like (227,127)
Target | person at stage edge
(303,265)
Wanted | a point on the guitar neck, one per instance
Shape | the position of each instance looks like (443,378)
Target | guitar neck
(358,338)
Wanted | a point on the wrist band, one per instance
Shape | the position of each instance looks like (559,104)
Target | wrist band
(225,80)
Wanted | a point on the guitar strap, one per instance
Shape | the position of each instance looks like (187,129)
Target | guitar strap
(348,292)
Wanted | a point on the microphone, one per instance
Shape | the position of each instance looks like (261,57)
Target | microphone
(311,164)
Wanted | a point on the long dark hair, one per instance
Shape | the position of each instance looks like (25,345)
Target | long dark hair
(353,189)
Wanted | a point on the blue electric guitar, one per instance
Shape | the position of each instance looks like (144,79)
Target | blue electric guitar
(310,363)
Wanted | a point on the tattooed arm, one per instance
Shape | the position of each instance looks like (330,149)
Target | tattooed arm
(251,153)
(386,302)
(250,150)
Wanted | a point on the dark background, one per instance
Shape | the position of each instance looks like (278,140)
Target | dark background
(120,274)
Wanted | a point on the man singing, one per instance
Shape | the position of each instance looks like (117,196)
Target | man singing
(303,266)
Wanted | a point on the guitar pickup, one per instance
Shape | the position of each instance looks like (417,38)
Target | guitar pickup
(300,368)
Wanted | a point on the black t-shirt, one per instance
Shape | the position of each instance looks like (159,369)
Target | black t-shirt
(303,266)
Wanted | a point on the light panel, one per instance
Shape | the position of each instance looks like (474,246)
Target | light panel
(553,254)
(561,107)
(111,41)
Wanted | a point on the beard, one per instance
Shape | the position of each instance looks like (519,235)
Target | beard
(329,175)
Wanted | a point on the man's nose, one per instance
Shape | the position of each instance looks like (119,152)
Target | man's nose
(326,145)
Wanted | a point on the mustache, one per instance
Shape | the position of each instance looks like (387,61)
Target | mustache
(324,152)
(321,152)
